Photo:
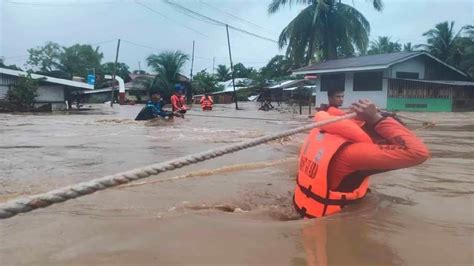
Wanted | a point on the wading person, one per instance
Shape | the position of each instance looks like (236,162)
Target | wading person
(206,102)
(154,109)
(336,160)
(178,100)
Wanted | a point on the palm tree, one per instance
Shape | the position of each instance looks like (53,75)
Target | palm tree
(167,66)
(408,47)
(323,30)
(383,45)
(223,73)
(441,41)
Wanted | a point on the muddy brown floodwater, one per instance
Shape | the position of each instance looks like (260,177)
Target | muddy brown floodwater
(233,210)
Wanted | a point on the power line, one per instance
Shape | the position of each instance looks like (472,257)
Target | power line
(56,4)
(235,17)
(175,21)
(212,21)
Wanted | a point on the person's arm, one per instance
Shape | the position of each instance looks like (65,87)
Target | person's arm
(403,149)
(210,99)
(202,100)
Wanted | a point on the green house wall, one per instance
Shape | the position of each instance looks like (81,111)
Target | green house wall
(420,105)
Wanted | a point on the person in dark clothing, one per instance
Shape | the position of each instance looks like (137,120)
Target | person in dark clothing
(154,109)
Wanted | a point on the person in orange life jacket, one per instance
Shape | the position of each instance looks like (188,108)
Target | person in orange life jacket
(335,99)
(336,160)
(206,102)
(178,100)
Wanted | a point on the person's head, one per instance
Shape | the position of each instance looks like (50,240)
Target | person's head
(336,97)
(178,89)
(206,94)
(155,96)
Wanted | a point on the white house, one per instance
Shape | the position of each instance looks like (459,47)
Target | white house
(50,90)
(402,81)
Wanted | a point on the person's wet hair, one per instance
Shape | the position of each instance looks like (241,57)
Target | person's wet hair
(333,91)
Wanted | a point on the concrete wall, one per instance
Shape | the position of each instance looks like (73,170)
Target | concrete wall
(50,93)
(378,97)
(415,65)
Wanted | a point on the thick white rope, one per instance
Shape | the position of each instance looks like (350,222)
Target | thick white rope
(27,204)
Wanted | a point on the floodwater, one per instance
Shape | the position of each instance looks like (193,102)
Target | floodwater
(232,210)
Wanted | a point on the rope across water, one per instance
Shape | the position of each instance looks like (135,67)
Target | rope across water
(27,204)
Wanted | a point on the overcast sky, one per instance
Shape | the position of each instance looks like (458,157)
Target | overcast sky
(30,23)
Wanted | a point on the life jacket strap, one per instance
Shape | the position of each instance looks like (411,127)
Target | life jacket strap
(338,202)
(302,211)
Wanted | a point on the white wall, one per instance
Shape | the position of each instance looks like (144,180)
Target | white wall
(350,96)
(3,91)
(50,93)
(416,65)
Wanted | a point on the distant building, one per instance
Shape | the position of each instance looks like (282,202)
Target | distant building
(411,81)
(51,90)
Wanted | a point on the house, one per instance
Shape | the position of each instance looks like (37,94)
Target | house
(288,89)
(227,94)
(411,81)
(54,91)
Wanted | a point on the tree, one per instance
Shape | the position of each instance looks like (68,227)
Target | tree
(223,73)
(122,70)
(455,48)
(45,58)
(240,71)
(80,59)
(278,66)
(14,67)
(204,82)
(167,65)
(408,47)
(441,41)
(23,94)
(323,30)
(383,45)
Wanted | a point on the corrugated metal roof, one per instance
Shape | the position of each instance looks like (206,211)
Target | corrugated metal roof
(380,60)
(66,82)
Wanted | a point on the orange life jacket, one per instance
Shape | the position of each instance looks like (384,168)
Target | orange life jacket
(206,102)
(312,197)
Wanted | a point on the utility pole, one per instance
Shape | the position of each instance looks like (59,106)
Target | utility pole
(113,76)
(192,63)
(139,67)
(231,67)
(213,65)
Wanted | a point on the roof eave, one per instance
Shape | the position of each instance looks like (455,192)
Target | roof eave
(347,69)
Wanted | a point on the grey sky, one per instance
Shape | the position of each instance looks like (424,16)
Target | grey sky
(29,23)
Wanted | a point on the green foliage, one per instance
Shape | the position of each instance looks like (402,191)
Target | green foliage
(108,69)
(204,82)
(223,73)
(14,67)
(45,58)
(23,94)
(168,65)
(278,66)
(240,71)
(408,47)
(79,59)
(383,45)
(325,29)
(455,48)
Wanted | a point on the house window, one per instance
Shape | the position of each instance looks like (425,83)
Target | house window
(368,81)
(407,75)
(332,81)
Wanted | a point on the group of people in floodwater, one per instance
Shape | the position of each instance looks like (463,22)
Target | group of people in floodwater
(154,106)
(336,160)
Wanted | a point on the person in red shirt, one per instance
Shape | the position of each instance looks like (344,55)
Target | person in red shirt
(336,160)
(178,100)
